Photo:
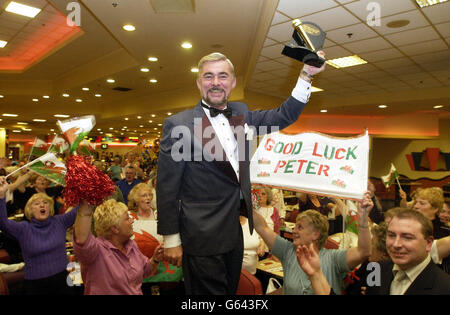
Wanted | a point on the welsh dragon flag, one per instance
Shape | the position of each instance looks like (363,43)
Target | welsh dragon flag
(59,145)
(39,148)
(86,148)
(50,167)
(76,129)
(390,177)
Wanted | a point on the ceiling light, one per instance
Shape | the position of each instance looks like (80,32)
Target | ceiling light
(1,96)
(153,115)
(438,106)
(155,128)
(153,80)
(27,129)
(139,117)
(3,43)
(111,128)
(61,116)
(152,59)
(126,118)
(10,115)
(141,126)
(195,69)
(85,89)
(98,95)
(65,95)
(145,69)
(150,121)
(169,114)
(427,3)
(186,45)
(35,100)
(110,80)
(78,100)
(45,96)
(39,120)
(344,62)
(17,131)
(22,9)
(315,89)
(22,123)
(323,111)
(129,27)
(382,106)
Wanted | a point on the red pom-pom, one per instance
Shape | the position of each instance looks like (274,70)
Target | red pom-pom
(85,182)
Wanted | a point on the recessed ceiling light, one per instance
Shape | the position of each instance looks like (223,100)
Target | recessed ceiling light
(141,126)
(65,95)
(129,27)
(438,106)
(78,100)
(152,59)
(139,117)
(45,96)
(27,129)
(1,96)
(111,128)
(39,120)
(150,121)
(169,114)
(315,89)
(22,9)
(126,118)
(111,81)
(22,123)
(10,115)
(61,116)
(3,43)
(98,95)
(427,3)
(145,69)
(153,115)
(323,111)
(35,100)
(153,80)
(159,124)
(85,89)
(195,70)
(17,131)
(382,106)
(344,62)
(186,45)
(155,128)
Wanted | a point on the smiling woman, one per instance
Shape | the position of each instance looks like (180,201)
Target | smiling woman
(42,240)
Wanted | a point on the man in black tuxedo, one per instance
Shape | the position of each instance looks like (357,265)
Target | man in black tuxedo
(411,272)
(203,180)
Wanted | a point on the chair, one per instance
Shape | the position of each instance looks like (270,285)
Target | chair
(3,286)
(331,244)
(248,284)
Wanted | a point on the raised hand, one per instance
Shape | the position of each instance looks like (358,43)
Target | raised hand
(308,259)
(314,70)
(3,186)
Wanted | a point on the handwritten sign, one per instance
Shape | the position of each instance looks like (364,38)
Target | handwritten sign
(313,163)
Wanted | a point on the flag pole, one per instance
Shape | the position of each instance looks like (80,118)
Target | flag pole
(398,182)
(28,164)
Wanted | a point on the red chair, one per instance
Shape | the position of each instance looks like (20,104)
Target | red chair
(331,244)
(3,286)
(248,284)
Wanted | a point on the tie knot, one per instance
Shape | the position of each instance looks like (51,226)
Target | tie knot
(227,112)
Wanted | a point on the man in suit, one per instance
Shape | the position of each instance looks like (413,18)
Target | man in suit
(411,272)
(203,180)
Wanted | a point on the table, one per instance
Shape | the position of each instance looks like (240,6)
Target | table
(271,267)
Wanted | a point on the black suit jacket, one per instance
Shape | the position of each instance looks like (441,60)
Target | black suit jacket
(198,192)
(431,281)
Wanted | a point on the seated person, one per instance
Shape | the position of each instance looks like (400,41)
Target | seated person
(312,228)
(111,263)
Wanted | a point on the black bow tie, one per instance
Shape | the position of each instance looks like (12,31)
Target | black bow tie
(215,111)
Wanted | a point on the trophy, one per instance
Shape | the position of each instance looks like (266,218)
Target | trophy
(307,39)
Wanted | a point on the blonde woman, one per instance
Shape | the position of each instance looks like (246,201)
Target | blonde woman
(429,201)
(42,239)
(111,263)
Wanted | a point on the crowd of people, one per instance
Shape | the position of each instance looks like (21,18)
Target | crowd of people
(193,223)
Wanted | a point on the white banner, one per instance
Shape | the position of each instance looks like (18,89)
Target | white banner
(313,163)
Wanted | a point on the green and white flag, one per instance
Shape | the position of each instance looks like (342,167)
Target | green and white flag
(39,148)
(59,145)
(86,148)
(50,167)
(390,177)
(76,129)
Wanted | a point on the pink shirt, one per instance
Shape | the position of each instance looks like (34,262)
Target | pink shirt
(107,270)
